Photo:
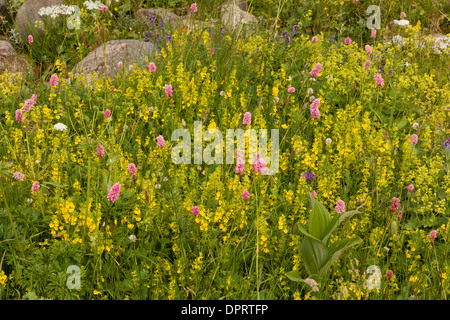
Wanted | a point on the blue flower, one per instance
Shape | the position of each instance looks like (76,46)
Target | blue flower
(308,175)
(446,143)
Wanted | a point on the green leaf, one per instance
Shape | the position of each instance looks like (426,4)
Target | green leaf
(314,255)
(294,275)
(306,233)
(337,248)
(336,221)
(319,220)
(402,123)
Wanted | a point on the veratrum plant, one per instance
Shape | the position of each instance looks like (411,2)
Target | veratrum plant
(317,253)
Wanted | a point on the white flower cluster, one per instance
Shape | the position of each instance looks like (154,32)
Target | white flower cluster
(402,23)
(55,11)
(93,5)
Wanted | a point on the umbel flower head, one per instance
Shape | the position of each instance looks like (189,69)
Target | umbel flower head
(60,126)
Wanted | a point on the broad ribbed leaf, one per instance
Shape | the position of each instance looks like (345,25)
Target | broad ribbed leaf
(306,233)
(314,254)
(336,249)
(319,220)
(337,220)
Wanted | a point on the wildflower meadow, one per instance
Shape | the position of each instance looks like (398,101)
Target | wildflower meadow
(224,150)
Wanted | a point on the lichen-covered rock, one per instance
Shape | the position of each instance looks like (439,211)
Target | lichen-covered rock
(232,15)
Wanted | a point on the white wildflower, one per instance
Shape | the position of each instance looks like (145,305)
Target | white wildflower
(60,126)
(132,238)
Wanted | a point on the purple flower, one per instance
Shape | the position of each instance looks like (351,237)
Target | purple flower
(446,143)
(308,175)
(333,37)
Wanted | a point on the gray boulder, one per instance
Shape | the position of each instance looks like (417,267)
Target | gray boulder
(10,61)
(106,63)
(28,20)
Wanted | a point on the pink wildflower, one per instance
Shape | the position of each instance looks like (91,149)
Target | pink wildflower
(400,215)
(367,64)
(18,176)
(114,192)
(259,164)
(245,195)
(101,151)
(239,153)
(314,194)
(30,39)
(247,118)
(315,71)
(347,41)
(414,138)
(373,33)
(160,141)
(195,210)
(315,113)
(378,80)
(402,15)
(194,7)
(19,115)
(168,90)
(35,187)
(340,206)
(433,234)
(291,90)
(104,8)
(54,80)
(211,51)
(389,275)
(410,187)
(151,67)
(240,165)
(314,39)
(395,204)
(132,168)
(368,49)
(106,114)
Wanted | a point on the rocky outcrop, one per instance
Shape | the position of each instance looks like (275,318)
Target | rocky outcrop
(116,52)
(152,18)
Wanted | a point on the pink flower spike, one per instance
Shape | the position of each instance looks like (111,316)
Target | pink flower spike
(101,151)
(54,80)
(194,8)
(291,90)
(389,275)
(239,153)
(259,164)
(247,118)
(245,195)
(160,141)
(168,90)
(414,138)
(132,168)
(19,115)
(395,204)
(368,49)
(30,39)
(35,187)
(106,114)
(402,15)
(18,176)
(314,39)
(400,215)
(347,41)
(104,8)
(340,206)
(367,64)
(315,113)
(240,165)
(315,71)
(378,80)
(211,51)
(410,187)
(373,33)
(195,210)
(433,234)
(151,67)
(314,194)
(114,192)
